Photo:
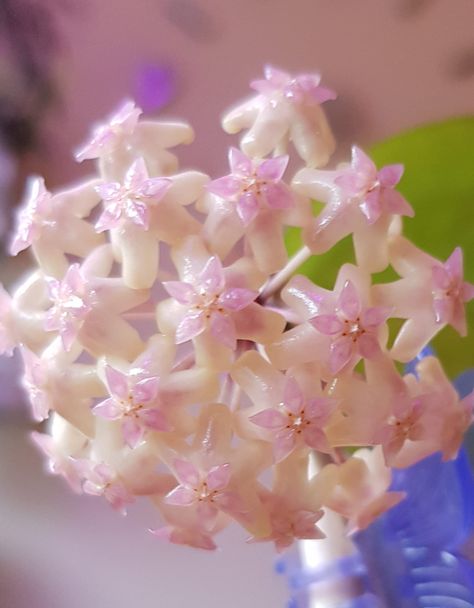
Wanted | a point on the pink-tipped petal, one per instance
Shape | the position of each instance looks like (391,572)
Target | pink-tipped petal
(247,207)
(276,76)
(180,497)
(212,277)
(139,214)
(40,405)
(278,196)
(192,325)
(154,419)
(390,175)
(349,183)
(35,368)
(33,216)
(441,278)
(264,87)
(374,316)
(328,325)
(103,472)
(272,169)
(155,188)
(108,409)
(132,432)
(225,187)
(467,292)
(44,442)
(20,243)
(50,322)
(320,409)
(368,346)
(198,540)
(396,204)
(146,390)
(349,301)
(218,477)
(91,488)
(454,264)
(340,354)
(126,116)
(305,524)
(230,502)
(109,219)
(74,280)
(161,533)
(110,191)
(53,288)
(182,292)
(284,444)
(117,382)
(322,94)
(223,329)
(186,472)
(371,206)
(237,298)
(118,497)
(136,174)
(361,163)
(270,419)
(316,438)
(192,538)
(308,82)
(239,163)
(68,333)
(293,398)
(83,466)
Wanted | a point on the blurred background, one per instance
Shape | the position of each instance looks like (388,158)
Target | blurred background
(64,64)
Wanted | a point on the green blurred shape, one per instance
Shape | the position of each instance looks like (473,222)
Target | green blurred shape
(439,183)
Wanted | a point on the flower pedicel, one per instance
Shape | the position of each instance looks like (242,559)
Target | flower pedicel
(178,359)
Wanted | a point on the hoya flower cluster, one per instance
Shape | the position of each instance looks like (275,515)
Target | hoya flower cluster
(177,358)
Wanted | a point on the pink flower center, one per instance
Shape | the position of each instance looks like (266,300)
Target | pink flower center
(208,304)
(353,329)
(126,199)
(403,426)
(297,422)
(203,494)
(454,290)
(71,306)
(129,407)
(254,185)
(375,184)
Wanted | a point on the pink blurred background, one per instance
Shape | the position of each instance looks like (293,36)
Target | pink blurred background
(394,63)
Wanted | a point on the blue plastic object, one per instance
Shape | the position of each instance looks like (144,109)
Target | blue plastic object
(410,367)
(413,556)
(413,553)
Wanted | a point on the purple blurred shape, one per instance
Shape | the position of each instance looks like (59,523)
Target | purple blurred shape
(155,87)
